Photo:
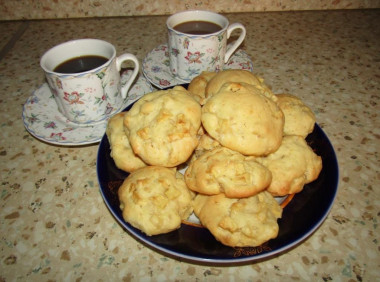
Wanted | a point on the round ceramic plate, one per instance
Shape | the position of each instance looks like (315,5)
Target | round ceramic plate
(43,120)
(156,66)
(301,216)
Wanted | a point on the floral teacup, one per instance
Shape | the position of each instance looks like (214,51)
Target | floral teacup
(190,54)
(90,96)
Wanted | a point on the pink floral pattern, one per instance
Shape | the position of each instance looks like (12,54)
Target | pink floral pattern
(57,136)
(73,98)
(100,100)
(164,82)
(50,124)
(194,57)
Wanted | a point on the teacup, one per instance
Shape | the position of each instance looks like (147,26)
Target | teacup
(89,90)
(191,53)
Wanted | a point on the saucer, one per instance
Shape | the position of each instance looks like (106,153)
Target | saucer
(156,66)
(43,120)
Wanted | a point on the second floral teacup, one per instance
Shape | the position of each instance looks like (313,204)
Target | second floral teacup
(84,77)
(198,42)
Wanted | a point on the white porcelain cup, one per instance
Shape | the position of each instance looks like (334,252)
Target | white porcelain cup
(91,96)
(190,54)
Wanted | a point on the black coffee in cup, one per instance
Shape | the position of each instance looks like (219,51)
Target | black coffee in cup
(198,27)
(80,64)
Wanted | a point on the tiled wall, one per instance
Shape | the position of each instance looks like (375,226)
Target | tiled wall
(52,9)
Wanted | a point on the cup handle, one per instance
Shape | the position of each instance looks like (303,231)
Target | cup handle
(119,60)
(237,43)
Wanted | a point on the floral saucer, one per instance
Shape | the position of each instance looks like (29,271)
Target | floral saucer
(156,66)
(43,120)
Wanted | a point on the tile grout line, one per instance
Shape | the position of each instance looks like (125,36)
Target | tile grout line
(20,31)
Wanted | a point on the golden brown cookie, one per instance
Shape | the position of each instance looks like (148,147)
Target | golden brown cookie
(241,118)
(163,127)
(239,222)
(121,151)
(206,143)
(299,118)
(155,199)
(293,165)
(222,170)
(233,75)
(197,86)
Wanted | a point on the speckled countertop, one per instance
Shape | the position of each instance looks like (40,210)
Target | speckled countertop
(54,223)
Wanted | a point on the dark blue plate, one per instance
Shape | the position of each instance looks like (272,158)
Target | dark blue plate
(301,217)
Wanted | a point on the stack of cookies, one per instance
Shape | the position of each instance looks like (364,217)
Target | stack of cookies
(241,146)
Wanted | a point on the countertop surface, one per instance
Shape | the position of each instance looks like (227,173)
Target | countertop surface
(54,223)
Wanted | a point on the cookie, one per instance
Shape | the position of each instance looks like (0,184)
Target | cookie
(206,143)
(225,171)
(155,199)
(239,222)
(293,165)
(243,119)
(216,82)
(299,118)
(121,151)
(163,127)
(197,86)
